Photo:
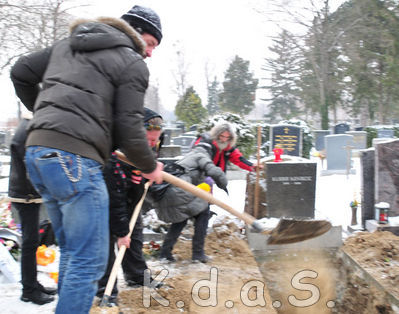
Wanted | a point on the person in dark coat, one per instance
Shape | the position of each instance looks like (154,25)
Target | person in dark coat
(87,94)
(125,186)
(26,201)
(177,206)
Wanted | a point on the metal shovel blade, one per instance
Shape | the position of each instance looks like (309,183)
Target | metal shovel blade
(293,230)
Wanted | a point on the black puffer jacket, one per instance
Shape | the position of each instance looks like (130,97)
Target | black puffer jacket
(124,194)
(176,204)
(20,189)
(93,86)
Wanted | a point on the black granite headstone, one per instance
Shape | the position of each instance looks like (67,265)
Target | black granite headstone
(341,128)
(287,137)
(290,189)
(368,184)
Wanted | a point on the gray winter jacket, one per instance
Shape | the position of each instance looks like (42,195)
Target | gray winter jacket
(177,205)
(92,92)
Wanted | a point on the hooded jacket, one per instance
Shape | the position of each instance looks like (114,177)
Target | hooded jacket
(176,204)
(221,157)
(92,92)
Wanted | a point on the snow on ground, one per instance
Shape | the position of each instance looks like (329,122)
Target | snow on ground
(333,196)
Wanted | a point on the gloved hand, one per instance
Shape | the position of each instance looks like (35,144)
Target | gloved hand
(136,176)
(209,181)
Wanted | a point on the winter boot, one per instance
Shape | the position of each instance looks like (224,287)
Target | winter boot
(170,240)
(166,253)
(200,257)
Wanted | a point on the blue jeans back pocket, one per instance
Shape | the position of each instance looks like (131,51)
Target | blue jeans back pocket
(55,178)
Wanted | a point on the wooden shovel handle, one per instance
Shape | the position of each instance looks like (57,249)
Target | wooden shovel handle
(122,249)
(206,196)
(197,192)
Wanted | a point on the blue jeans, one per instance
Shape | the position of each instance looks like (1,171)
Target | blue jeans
(76,198)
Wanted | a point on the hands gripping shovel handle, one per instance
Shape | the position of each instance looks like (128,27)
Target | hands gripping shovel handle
(287,231)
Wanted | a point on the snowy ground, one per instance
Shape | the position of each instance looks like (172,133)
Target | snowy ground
(333,196)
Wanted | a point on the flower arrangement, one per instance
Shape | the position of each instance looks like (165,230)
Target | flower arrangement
(354,204)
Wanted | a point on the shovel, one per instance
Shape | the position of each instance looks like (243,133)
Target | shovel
(287,230)
(121,252)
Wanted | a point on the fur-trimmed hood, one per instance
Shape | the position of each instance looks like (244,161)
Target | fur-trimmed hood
(222,127)
(104,33)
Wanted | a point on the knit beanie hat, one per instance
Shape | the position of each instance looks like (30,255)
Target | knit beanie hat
(144,20)
(149,114)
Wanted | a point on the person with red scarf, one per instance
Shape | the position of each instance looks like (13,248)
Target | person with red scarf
(220,142)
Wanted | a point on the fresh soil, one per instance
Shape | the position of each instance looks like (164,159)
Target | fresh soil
(377,254)
(239,286)
(361,277)
(327,282)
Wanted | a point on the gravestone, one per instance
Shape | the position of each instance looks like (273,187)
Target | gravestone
(288,137)
(291,188)
(387,175)
(185,142)
(341,128)
(169,133)
(368,184)
(181,126)
(319,138)
(385,133)
(338,152)
(377,140)
(169,151)
(359,139)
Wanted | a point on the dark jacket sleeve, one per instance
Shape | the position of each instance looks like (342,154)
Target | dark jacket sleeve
(19,185)
(129,132)
(115,179)
(26,75)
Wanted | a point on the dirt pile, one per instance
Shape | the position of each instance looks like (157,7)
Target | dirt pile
(378,253)
(230,282)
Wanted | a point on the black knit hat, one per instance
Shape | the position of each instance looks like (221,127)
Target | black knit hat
(144,20)
(149,114)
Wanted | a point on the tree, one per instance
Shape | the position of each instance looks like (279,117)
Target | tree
(152,99)
(239,87)
(213,98)
(371,59)
(181,72)
(189,108)
(283,87)
(27,26)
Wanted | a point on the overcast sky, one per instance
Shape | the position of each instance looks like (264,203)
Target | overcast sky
(208,31)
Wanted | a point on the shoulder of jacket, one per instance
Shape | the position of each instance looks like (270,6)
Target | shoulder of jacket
(119,24)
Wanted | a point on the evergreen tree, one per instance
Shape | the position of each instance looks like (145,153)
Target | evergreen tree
(213,98)
(371,51)
(189,108)
(239,88)
(283,87)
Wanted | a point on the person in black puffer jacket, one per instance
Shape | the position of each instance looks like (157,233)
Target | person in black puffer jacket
(26,201)
(125,187)
(86,93)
